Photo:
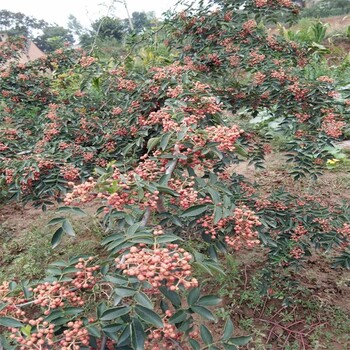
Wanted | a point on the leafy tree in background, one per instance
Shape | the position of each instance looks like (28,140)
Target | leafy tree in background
(17,23)
(48,37)
(109,27)
(142,20)
(75,26)
(108,32)
(53,38)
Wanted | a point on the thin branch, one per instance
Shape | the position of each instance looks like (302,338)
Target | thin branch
(103,342)
(99,28)
(146,217)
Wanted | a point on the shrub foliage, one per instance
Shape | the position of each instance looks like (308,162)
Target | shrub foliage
(154,146)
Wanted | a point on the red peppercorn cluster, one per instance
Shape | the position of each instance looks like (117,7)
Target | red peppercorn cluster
(249,26)
(188,196)
(298,92)
(159,266)
(245,221)
(54,295)
(11,309)
(156,118)
(70,173)
(3,147)
(82,193)
(149,170)
(297,253)
(85,278)
(255,58)
(302,117)
(299,231)
(249,190)
(225,136)
(75,336)
(119,200)
(41,337)
(324,223)
(259,78)
(87,61)
(126,84)
(262,204)
(286,3)
(345,230)
(260,3)
(167,337)
(174,92)
(207,222)
(280,75)
(333,128)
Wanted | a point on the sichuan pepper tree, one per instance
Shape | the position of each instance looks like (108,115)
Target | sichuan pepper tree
(154,146)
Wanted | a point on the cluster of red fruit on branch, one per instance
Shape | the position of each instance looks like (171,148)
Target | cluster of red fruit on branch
(85,276)
(41,337)
(159,266)
(54,295)
(245,233)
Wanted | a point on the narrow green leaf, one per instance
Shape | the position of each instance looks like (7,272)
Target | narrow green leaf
(228,330)
(213,347)
(218,214)
(143,300)
(194,211)
(168,238)
(94,331)
(68,228)
(73,210)
(55,221)
(193,296)
(138,335)
(152,142)
(149,316)
(206,335)
(10,322)
(56,314)
(133,228)
(124,291)
(72,310)
(239,341)
(230,347)
(167,190)
(26,330)
(209,300)
(194,344)
(165,140)
(172,296)
(204,312)
(114,313)
(214,195)
(56,238)
(125,337)
(178,317)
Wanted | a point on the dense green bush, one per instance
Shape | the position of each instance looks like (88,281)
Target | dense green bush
(153,146)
